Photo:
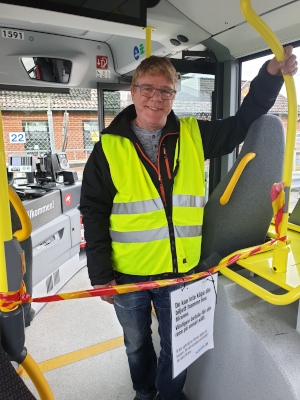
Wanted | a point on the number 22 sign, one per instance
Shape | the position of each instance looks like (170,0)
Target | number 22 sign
(17,137)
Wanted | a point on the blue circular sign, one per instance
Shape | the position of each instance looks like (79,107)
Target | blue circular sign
(136,52)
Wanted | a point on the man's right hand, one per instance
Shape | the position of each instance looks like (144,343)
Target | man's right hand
(109,299)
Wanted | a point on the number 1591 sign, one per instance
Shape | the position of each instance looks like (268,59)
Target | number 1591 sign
(17,137)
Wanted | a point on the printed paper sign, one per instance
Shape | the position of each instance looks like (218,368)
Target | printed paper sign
(193,309)
(95,136)
(103,74)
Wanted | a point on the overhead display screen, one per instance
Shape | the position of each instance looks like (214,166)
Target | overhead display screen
(131,12)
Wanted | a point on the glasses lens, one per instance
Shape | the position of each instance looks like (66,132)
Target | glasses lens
(165,94)
(147,91)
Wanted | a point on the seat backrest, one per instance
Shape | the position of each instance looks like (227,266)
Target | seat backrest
(244,221)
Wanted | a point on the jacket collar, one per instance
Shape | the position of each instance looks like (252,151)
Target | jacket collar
(121,125)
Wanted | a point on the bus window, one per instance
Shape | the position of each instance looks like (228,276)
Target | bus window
(280,108)
(194,98)
(114,102)
(35,123)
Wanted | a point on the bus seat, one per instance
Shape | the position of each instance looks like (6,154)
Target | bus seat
(44,69)
(244,220)
(12,386)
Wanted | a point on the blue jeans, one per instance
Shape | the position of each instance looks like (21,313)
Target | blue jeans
(133,310)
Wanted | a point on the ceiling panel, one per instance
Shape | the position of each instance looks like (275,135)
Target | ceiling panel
(216,16)
(244,39)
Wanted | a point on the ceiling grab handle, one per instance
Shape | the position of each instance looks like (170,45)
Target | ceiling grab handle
(281,249)
(148,30)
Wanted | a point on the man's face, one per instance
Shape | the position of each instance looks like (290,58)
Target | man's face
(152,112)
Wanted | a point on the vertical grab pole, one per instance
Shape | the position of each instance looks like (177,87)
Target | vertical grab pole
(281,249)
(148,30)
(5,226)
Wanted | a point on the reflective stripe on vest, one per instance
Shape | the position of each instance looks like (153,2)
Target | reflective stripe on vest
(154,234)
(138,223)
(156,204)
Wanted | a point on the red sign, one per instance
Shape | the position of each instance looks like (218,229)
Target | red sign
(68,199)
(101,62)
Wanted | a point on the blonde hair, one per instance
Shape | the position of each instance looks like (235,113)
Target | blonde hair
(155,65)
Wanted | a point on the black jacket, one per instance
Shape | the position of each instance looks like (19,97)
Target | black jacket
(219,137)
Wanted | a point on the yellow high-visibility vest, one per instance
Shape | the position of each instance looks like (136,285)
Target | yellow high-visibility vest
(139,229)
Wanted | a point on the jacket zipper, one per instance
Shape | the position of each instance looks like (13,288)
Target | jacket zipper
(161,186)
(167,162)
(163,196)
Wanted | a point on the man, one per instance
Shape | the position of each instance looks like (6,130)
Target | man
(142,200)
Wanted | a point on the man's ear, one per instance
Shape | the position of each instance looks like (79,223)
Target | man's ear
(132,89)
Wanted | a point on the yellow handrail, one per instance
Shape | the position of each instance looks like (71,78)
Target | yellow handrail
(37,378)
(26,229)
(5,226)
(281,250)
(277,299)
(235,177)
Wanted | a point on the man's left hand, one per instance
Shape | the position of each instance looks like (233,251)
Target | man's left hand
(286,67)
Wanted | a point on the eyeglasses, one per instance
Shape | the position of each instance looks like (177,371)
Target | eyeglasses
(148,91)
